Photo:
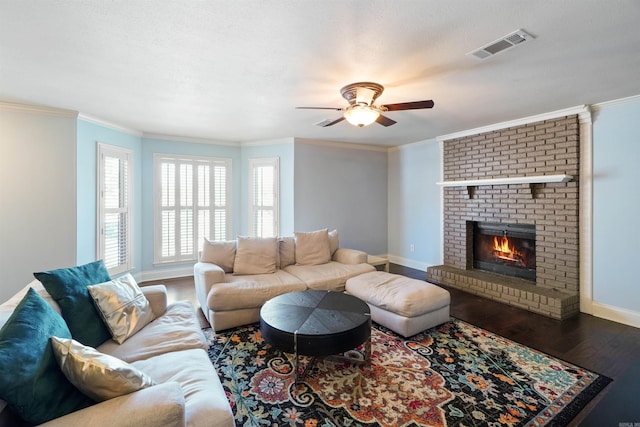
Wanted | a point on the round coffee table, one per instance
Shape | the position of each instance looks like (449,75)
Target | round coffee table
(316,323)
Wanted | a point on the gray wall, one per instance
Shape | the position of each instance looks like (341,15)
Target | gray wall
(343,188)
(283,150)
(415,205)
(616,206)
(37,194)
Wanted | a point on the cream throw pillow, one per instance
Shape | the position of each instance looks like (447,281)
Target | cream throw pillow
(313,248)
(256,255)
(99,376)
(123,307)
(220,253)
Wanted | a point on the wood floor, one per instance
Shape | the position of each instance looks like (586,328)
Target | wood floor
(602,346)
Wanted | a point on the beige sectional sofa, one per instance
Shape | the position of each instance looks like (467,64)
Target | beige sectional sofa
(171,350)
(235,278)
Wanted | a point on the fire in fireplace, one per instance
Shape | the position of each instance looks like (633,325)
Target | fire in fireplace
(508,249)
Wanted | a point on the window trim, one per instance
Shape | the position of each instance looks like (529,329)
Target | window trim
(158,259)
(257,162)
(125,154)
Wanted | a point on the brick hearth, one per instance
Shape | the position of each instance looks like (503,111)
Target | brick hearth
(550,147)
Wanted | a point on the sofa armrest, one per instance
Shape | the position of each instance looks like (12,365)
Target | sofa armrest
(160,405)
(350,256)
(157,296)
(205,275)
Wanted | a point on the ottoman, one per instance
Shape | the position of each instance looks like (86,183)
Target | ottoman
(406,306)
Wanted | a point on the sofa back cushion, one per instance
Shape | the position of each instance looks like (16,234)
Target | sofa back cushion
(287,248)
(334,241)
(221,253)
(313,247)
(256,255)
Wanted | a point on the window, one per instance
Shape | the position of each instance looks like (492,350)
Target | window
(263,197)
(114,231)
(192,201)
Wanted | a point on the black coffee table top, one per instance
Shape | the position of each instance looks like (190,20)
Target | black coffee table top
(315,323)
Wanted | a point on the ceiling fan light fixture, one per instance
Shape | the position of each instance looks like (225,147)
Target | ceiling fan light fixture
(361,115)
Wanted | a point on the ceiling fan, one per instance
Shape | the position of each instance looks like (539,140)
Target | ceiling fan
(361,110)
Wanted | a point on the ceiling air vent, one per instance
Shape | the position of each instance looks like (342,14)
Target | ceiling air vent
(504,43)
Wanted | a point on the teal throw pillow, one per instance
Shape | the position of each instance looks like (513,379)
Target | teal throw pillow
(31,381)
(68,287)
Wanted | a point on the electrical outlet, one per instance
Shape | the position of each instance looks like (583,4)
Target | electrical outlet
(412,247)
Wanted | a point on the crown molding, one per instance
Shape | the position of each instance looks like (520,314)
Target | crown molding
(580,110)
(346,145)
(174,138)
(279,141)
(110,125)
(413,144)
(627,100)
(38,109)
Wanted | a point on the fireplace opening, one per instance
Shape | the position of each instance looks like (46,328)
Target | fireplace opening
(508,249)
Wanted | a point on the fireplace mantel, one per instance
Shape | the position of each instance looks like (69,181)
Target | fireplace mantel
(540,179)
(531,180)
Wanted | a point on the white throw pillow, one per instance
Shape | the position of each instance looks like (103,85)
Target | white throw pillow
(220,253)
(123,307)
(256,255)
(313,247)
(99,376)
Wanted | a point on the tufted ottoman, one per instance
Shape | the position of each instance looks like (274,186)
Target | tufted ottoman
(406,306)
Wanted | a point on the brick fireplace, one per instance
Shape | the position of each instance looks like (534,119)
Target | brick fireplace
(545,148)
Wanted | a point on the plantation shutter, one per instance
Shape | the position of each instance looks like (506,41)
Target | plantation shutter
(114,208)
(191,203)
(263,194)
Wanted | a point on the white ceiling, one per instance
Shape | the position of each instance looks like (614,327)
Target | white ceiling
(236,70)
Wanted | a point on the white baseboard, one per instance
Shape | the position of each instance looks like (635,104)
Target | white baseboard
(146,276)
(616,314)
(411,263)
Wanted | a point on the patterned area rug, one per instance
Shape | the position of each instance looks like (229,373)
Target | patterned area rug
(452,375)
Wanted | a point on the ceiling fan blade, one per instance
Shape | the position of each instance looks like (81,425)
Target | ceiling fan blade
(385,121)
(416,105)
(338,120)
(319,108)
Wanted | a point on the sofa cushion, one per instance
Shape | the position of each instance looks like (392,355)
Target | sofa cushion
(334,241)
(221,253)
(251,291)
(206,403)
(398,294)
(329,277)
(312,247)
(122,305)
(177,329)
(287,251)
(256,255)
(30,380)
(99,376)
(68,286)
